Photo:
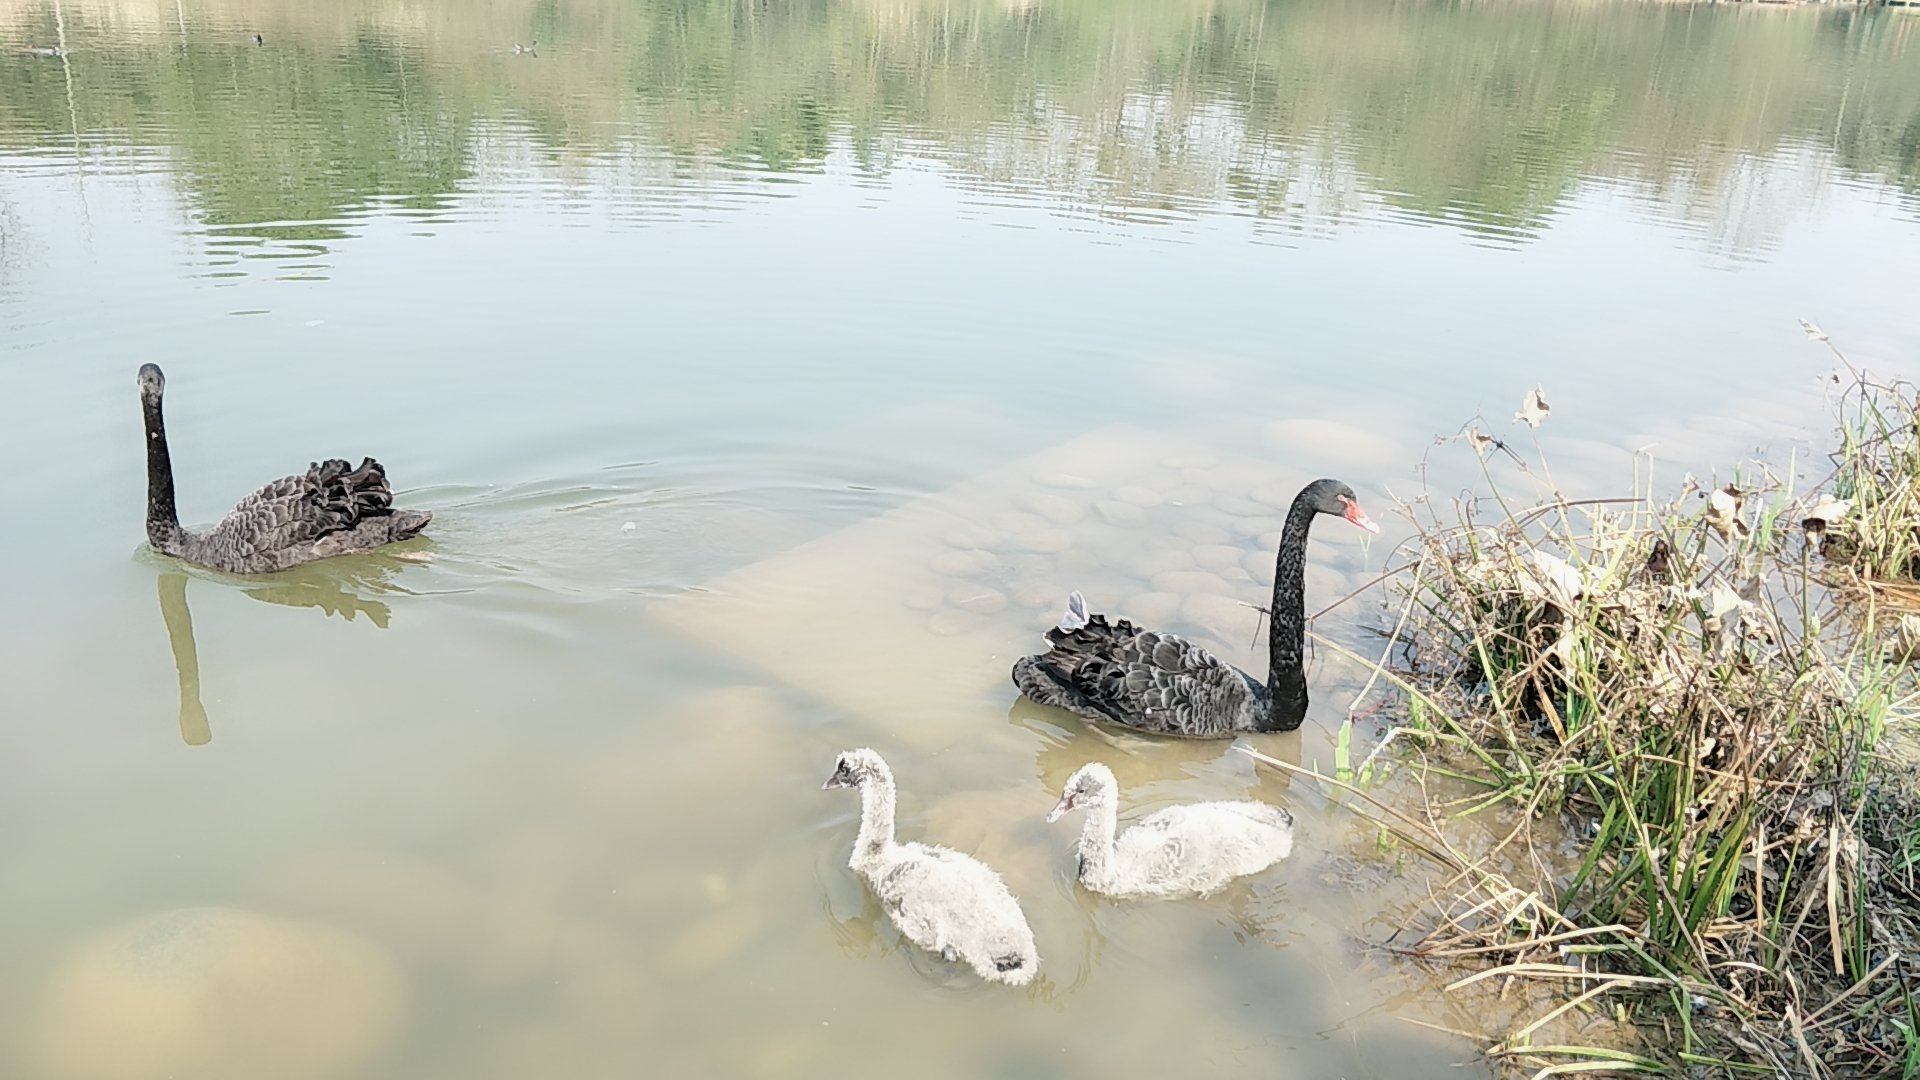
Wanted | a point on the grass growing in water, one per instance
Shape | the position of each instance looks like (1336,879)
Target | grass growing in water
(1874,542)
(1673,684)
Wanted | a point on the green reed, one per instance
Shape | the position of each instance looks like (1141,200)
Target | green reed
(1666,682)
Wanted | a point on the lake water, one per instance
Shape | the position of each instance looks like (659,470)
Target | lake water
(772,370)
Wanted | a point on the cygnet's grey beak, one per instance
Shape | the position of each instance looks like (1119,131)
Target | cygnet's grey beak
(1060,808)
(837,780)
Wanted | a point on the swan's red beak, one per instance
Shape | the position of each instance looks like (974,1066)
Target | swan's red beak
(1358,516)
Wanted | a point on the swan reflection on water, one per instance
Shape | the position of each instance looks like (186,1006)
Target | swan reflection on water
(329,595)
(1066,743)
(334,589)
(194,727)
(868,933)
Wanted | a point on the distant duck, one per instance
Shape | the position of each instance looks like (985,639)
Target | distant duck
(258,40)
(47,52)
(526,50)
(1191,849)
(334,509)
(1115,672)
(941,900)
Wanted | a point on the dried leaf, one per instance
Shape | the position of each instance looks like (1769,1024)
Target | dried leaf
(1829,511)
(1814,333)
(1726,608)
(1534,409)
(1723,513)
(1906,639)
(1553,579)
(1660,560)
(1564,646)
(1723,598)
(1480,440)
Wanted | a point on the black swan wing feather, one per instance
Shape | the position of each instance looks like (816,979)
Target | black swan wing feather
(1148,680)
(279,525)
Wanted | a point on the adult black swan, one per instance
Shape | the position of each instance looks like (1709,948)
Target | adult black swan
(1115,672)
(333,509)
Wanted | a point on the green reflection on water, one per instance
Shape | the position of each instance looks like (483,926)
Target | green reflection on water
(1487,116)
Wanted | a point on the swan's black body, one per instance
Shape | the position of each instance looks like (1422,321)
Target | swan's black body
(332,509)
(1111,671)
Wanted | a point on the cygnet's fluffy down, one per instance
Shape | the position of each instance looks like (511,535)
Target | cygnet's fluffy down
(941,900)
(1183,849)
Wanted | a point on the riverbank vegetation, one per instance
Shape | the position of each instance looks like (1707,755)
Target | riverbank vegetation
(1693,703)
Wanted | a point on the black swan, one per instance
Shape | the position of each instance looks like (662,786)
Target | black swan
(333,509)
(1114,672)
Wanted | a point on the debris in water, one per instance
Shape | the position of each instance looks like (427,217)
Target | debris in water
(1534,409)
(1553,580)
(1723,513)
(1829,511)
(1660,560)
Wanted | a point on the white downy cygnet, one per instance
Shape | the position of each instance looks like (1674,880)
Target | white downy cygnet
(1195,848)
(941,900)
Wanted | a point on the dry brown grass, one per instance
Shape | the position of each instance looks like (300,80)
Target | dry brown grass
(1715,842)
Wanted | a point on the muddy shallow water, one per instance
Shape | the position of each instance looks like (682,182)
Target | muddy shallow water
(773,371)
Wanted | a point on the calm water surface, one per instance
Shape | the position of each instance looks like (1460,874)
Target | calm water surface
(771,369)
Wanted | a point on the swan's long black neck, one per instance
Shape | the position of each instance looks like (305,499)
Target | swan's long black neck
(163,520)
(1286,630)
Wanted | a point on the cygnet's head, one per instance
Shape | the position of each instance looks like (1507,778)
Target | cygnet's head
(152,383)
(1093,782)
(856,767)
